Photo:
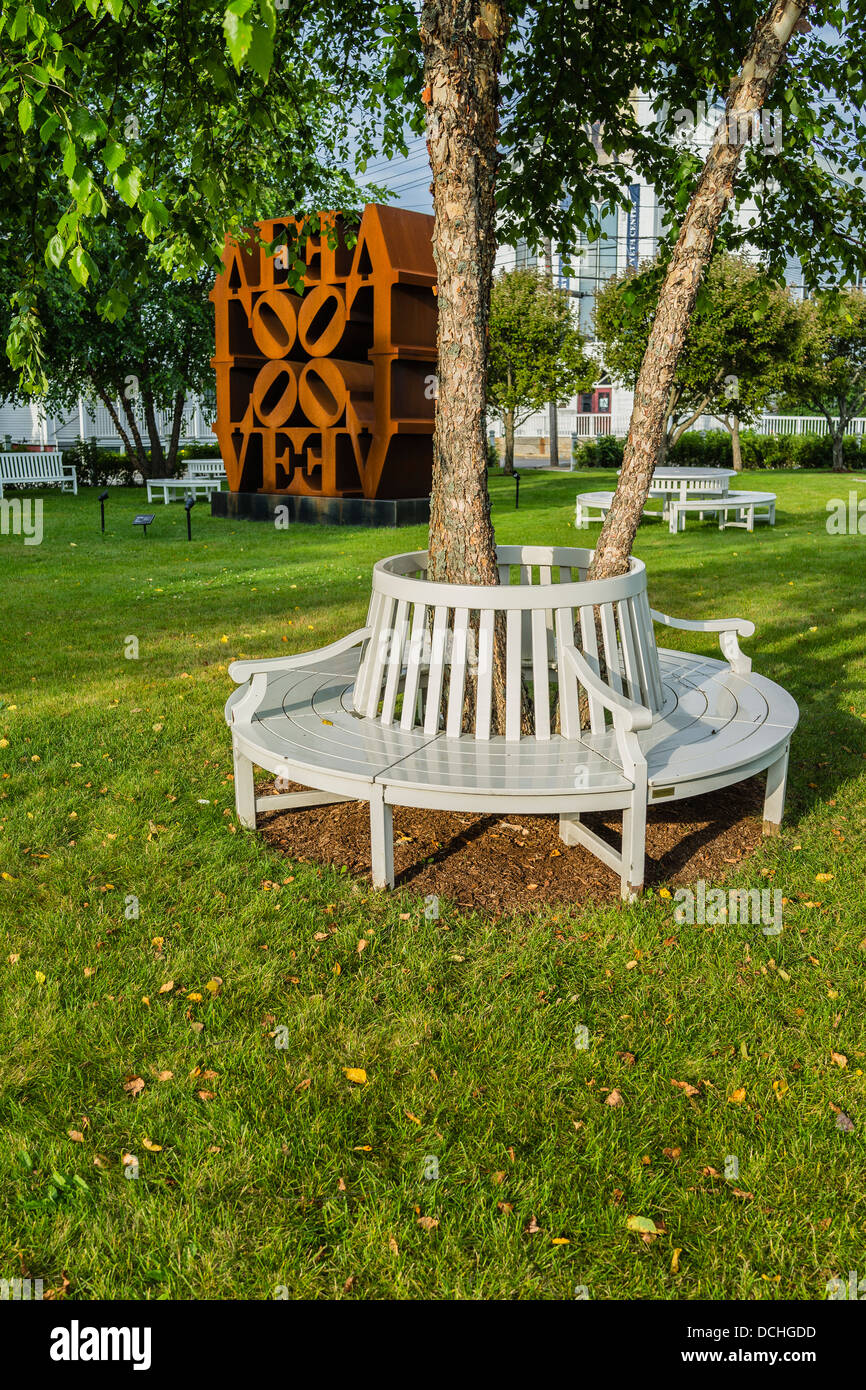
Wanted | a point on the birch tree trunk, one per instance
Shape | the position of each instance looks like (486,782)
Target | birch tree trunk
(692,253)
(462,43)
(508,458)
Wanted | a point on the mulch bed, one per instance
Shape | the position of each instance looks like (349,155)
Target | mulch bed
(506,864)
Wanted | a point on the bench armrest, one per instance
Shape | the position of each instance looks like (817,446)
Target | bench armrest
(727,628)
(242,670)
(628,716)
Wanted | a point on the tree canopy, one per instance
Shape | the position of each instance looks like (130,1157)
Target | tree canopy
(536,351)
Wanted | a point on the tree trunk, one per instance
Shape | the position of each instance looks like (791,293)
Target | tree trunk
(554,435)
(139,452)
(176,422)
(508,459)
(839,447)
(690,258)
(157,458)
(462,43)
(736,451)
(115,418)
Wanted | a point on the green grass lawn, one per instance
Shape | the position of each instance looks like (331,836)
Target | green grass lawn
(258,1163)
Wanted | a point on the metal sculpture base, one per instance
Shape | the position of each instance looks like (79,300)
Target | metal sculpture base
(322,511)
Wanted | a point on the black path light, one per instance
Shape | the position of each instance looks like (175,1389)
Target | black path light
(103,498)
(144,519)
(189,503)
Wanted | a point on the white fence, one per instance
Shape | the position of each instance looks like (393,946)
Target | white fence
(587,426)
(31,425)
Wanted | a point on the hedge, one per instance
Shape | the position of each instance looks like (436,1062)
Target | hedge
(712,449)
(97,467)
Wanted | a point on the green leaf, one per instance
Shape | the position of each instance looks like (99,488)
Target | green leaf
(114,8)
(149,226)
(113,155)
(128,185)
(268,12)
(25,113)
(55,250)
(48,127)
(81,265)
(261,52)
(238,32)
(70,158)
(19,23)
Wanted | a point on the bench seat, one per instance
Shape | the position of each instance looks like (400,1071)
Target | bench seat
(714,728)
(745,506)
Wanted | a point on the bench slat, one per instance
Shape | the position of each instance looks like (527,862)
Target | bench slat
(395,662)
(457,685)
(437,670)
(513,683)
(540,675)
(414,664)
(484,691)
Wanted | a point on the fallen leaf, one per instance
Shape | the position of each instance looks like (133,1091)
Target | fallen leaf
(687,1087)
(205,1095)
(532,1228)
(166,988)
(356,1074)
(780,1087)
(823,878)
(165,1075)
(844,1122)
(76,1135)
(428,1222)
(738,1096)
(746,1196)
(672,1153)
(151,1147)
(497,1178)
(505,1206)
(392,1246)
(134,1086)
(214,986)
(839,1058)
(675,1262)
(614,1098)
(642,1224)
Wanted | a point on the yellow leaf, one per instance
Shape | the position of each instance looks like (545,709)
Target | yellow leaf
(413,1118)
(362,945)
(675,1262)
(164,989)
(560,1240)
(214,986)
(40,978)
(664,893)
(355,1074)
(8,877)
(823,878)
(642,1224)
(194,998)
(145,1000)
(781,1088)
(737,1097)
(76,1135)
(152,1148)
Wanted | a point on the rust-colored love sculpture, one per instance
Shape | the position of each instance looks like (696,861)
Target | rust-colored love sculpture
(330,392)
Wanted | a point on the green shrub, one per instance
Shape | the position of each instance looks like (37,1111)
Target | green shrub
(712,449)
(97,466)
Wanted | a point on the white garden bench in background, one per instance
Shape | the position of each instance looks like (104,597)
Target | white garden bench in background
(378,716)
(28,469)
(199,487)
(594,506)
(734,509)
(206,468)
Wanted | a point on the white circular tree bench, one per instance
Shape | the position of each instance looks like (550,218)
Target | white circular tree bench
(734,509)
(614,723)
(594,506)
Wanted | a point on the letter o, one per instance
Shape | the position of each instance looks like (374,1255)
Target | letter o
(271,373)
(273,323)
(322,320)
(322,393)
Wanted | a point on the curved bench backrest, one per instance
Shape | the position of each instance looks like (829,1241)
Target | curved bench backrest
(431,642)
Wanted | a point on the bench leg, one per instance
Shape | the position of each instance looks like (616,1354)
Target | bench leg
(381,840)
(774,800)
(566,834)
(633,847)
(245,791)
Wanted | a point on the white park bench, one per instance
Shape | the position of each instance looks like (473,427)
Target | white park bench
(199,487)
(28,469)
(378,716)
(206,468)
(734,509)
(594,506)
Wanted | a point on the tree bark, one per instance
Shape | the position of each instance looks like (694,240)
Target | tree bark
(462,43)
(839,447)
(176,422)
(508,459)
(139,453)
(691,255)
(157,458)
(115,418)
(736,451)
